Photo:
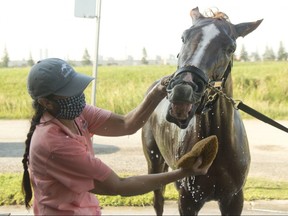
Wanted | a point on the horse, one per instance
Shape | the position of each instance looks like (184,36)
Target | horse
(199,104)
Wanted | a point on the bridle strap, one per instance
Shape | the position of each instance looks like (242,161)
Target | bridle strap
(194,70)
(227,72)
(216,86)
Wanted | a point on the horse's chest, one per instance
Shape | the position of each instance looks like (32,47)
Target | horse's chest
(171,141)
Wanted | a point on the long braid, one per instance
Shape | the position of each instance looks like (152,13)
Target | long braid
(26,185)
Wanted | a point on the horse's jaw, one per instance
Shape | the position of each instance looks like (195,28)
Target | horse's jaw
(180,111)
(180,114)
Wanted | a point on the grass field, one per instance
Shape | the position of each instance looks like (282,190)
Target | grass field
(261,85)
(255,189)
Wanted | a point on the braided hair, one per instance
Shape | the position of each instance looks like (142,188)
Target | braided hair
(26,184)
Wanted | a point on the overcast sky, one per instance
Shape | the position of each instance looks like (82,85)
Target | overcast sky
(48,28)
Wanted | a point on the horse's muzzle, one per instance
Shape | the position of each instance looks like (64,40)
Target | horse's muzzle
(183,104)
(181,98)
(184,91)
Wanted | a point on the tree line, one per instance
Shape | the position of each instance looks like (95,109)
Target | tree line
(268,55)
(85,61)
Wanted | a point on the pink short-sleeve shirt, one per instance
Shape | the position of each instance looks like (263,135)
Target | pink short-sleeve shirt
(63,167)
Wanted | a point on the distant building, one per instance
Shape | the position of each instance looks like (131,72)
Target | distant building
(171,60)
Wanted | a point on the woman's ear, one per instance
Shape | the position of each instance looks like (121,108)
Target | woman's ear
(46,103)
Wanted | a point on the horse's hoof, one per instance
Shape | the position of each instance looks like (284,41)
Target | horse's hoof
(206,148)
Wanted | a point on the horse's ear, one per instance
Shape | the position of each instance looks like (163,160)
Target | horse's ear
(244,29)
(195,15)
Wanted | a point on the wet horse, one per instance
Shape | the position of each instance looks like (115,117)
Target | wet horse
(194,110)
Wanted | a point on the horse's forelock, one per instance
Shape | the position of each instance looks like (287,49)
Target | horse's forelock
(216,14)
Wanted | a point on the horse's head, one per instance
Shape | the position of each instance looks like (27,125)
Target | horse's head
(205,57)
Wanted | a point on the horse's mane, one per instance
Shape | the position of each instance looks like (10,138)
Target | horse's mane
(216,14)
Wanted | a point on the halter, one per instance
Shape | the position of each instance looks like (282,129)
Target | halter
(207,105)
(191,69)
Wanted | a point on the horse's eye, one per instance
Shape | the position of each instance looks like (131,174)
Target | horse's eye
(231,49)
(182,38)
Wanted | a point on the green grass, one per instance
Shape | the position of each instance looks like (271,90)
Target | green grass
(261,85)
(255,189)
(264,189)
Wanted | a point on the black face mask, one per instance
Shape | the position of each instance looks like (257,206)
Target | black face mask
(70,108)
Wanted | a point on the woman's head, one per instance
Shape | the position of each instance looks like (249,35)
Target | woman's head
(53,76)
(55,85)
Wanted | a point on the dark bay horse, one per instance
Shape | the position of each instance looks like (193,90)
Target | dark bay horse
(193,111)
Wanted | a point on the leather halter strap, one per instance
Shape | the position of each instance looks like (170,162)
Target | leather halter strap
(221,83)
(194,70)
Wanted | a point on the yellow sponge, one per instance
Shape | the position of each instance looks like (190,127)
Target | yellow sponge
(206,148)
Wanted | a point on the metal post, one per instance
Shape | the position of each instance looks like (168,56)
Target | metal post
(95,62)
(85,9)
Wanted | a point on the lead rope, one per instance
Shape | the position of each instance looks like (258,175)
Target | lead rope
(238,104)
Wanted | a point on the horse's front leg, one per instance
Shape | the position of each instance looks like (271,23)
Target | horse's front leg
(232,205)
(187,204)
(156,164)
(158,201)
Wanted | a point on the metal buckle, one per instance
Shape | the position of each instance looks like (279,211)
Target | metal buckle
(216,84)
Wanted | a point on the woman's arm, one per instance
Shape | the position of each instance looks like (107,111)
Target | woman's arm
(118,125)
(136,185)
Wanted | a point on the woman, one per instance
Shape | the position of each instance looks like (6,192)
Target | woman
(63,170)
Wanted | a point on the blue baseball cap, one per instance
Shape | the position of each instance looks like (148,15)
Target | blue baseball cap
(55,76)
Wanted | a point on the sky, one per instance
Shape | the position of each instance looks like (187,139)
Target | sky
(49,28)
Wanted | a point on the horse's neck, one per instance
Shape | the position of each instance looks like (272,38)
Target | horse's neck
(221,115)
(223,107)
